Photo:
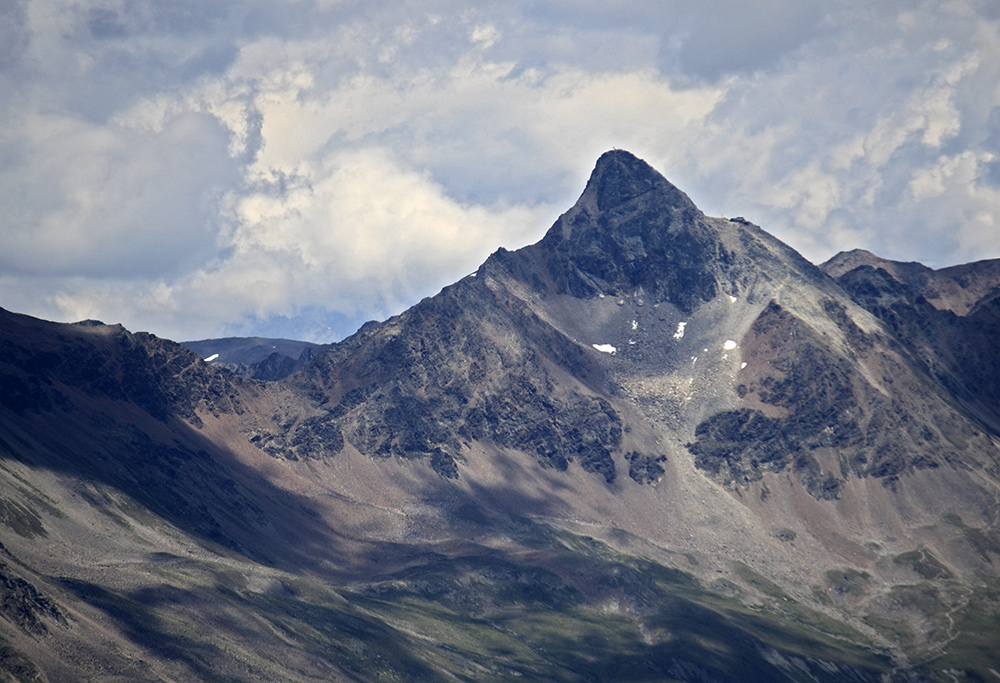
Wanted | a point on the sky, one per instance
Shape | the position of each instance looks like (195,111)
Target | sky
(293,168)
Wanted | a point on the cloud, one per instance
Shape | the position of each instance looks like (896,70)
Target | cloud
(364,232)
(723,38)
(199,168)
(112,200)
(823,150)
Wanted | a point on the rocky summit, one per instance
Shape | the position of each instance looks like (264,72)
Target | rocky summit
(655,445)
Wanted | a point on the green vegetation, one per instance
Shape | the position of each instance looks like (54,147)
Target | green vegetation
(923,562)
(785,608)
(976,644)
(891,629)
(555,606)
(848,581)
(639,620)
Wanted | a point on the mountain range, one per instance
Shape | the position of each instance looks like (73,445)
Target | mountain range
(655,445)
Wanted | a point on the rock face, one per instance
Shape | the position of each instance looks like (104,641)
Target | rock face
(633,230)
(947,320)
(664,433)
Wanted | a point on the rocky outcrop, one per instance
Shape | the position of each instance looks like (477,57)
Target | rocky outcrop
(630,230)
(951,337)
(24,605)
(814,404)
(41,361)
(468,365)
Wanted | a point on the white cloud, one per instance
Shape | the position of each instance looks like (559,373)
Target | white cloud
(369,232)
(109,200)
(823,151)
(485,35)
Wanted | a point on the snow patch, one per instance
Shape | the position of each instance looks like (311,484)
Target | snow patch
(635,325)
(680,330)
(732,299)
(729,345)
(211,358)
(605,348)
(743,365)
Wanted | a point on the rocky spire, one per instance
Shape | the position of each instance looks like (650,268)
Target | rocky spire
(632,229)
(620,176)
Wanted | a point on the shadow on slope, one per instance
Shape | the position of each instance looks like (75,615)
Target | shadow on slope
(115,412)
(554,606)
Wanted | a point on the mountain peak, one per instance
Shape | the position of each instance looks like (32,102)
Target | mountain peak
(620,176)
(633,229)
(845,261)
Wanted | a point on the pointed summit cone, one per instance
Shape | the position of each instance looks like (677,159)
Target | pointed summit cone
(633,233)
(620,177)
(632,229)
(649,372)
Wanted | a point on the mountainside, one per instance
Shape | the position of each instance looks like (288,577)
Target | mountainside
(656,445)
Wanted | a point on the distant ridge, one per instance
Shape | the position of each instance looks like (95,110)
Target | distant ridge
(255,357)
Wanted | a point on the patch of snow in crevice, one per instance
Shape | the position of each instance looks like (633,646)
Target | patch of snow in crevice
(635,325)
(732,299)
(680,330)
(211,358)
(743,365)
(729,345)
(605,348)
